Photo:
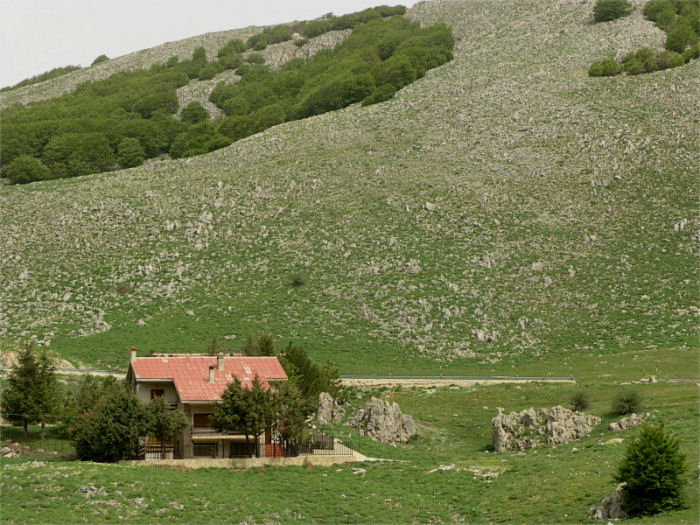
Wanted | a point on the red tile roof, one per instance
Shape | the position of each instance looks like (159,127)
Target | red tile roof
(190,373)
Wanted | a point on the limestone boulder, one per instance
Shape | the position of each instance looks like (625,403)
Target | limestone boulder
(626,422)
(384,422)
(610,508)
(530,429)
(328,410)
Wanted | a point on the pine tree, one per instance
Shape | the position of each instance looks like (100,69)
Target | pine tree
(31,394)
(652,469)
(165,424)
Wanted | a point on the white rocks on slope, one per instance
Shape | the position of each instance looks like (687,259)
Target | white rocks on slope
(610,508)
(384,422)
(328,410)
(530,429)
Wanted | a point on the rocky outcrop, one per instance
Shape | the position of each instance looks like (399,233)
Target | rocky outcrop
(328,410)
(384,422)
(626,422)
(530,429)
(610,508)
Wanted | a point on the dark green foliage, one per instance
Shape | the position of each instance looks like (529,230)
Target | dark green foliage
(210,70)
(25,169)
(74,154)
(680,36)
(99,60)
(79,133)
(653,469)
(255,58)
(308,377)
(627,402)
(30,394)
(290,412)
(194,113)
(669,59)
(200,138)
(606,10)
(48,75)
(380,94)
(232,61)
(110,431)
(164,424)
(247,410)
(680,19)
(605,68)
(130,153)
(580,401)
(262,344)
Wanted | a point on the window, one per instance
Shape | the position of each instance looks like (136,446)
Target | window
(205,450)
(201,420)
(157,392)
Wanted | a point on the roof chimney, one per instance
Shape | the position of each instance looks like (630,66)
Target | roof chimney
(220,361)
(211,375)
(133,354)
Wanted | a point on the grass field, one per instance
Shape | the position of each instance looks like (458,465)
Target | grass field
(545,485)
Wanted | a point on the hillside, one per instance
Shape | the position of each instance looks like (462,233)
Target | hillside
(503,211)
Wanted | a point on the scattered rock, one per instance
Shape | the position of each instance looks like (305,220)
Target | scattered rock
(648,380)
(626,422)
(485,336)
(613,441)
(443,467)
(383,421)
(7,452)
(429,206)
(610,508)
(530,429)
(90,491)
(328,410)
(680,225)
(359,472)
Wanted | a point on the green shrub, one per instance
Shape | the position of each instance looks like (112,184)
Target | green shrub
(130,153)
(201,138)
(661,12)
(691,53)
(653,469)
(73,154)
(680,36)
(669,59)
(380,94)
(210,71)
(25,169)
(99,60)
(194,113)
(605,68)
(230,61)
(627,402)
(607,10)
(255,58)
(580,401)
(257,42)
(48,75)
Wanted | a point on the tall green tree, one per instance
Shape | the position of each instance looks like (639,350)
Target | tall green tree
(113,429)
(291,411)
(130,153)
(31,394)
(25,168)
(653,469)
(246,410)
(165,424)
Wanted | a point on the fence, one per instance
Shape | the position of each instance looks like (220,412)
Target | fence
(317,444)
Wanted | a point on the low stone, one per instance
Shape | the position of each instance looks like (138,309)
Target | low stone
(360,472)
(626,422)
(610,508)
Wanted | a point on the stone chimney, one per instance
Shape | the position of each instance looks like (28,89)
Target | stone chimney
(211,375)
(220,361)
(133,354)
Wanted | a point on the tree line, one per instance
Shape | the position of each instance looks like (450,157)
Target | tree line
(121,121)
(679,19)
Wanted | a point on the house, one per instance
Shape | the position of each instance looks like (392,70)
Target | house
(194,383)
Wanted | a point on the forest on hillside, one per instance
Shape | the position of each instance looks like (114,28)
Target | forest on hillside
(121,121)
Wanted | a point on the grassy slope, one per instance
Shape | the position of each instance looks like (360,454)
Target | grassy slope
(555,202)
